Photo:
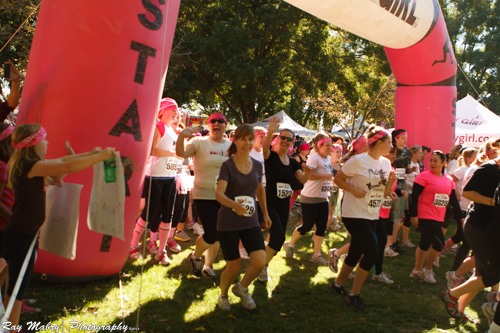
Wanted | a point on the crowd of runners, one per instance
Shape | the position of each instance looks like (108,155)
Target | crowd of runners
(246,182)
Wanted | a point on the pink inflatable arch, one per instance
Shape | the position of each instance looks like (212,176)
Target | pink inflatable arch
(95,77)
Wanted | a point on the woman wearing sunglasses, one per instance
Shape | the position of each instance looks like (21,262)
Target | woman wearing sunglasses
(209,153)
(280,171)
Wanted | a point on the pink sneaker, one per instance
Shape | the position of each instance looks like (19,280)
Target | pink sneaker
(135,253)
(28,309)
(153,248)
(163,258)
(173,246)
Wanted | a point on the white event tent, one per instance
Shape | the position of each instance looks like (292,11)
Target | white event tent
(475,124)
(288,123)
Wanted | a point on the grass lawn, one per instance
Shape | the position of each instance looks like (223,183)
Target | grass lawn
(297,298)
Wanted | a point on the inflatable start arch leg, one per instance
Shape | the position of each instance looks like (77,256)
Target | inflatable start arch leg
(95,77)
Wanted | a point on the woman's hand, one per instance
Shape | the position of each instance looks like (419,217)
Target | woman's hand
(274,125)
(392,177)
(358,193)
(414,221)
(108,153)
(266,224)
(405,194)
(189,132)
(393,195)
(239,209)
(68,148)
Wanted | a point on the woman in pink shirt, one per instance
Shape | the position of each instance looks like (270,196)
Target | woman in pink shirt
(432,191)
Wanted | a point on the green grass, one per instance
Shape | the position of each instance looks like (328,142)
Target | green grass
(297,299)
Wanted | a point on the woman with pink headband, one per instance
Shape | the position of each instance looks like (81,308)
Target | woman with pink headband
(366,180)
(314,198)
(28,171)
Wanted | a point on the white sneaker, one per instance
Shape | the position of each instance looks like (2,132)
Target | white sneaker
(263,277)
(135,253)
(436,262)
(246,300)
(333,260)
(318,259)
(163,258)
(388,252)
(408,243)
(288,250)
(453,280)
(417,275)
(209,272)
(173,246)
(198,229)
(428,276)
(223,303)
(244,254)
(382,277)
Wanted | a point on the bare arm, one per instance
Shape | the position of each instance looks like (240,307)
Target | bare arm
(55,167)
(180,150)
(274,124)
(341,181)
(390,182)
(15,86)
(225,201)
(261,196)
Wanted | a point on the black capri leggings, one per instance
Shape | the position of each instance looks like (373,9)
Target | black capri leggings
(229,242)
(314,213)
(208,210)
(17,246)
(381,233)
(181,206)
(481,243)
(363,242)
(160,200)
(278,211)
(431,234)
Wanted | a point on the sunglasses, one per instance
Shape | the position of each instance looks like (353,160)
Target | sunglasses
(282,137)
(220,121)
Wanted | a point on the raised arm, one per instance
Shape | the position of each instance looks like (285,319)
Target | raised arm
(274,124)
(180,149)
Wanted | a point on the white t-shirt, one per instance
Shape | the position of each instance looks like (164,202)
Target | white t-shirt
(370,175)
(452,166)
(319,188)
(207,162)
(468,175)
(259,156)
(164,166)
(410,177)
(459,183)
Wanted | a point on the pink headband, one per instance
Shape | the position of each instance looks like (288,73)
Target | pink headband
(260,133)
(337,147)
(488,153)
(378,136)
(359,143)
(275,140)
(402,133)
(31,140)
(6,132)
(320,142)
(168,104)
(217,115)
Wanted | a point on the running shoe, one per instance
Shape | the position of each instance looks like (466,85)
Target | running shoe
(388,252)
(436,262)
(263,276)
(190,224)
(396,248)
(450,303)
(223,303)
(196,265)
(153,248)
(28,309)
(318,259)
(198,229)
(173,246)
(244,254)
(355,302)
(338,290)
(29,300)
(489,309)
(428,276)
(135,253)
(163,258)
(333,260)
(492,296)
(246,300)
(454,249)
(382,277)
(288,250)
(453,280)
(416,275)
(181,236)
(408,244)
(209,272)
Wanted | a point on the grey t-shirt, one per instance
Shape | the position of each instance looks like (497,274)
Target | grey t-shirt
(243,187)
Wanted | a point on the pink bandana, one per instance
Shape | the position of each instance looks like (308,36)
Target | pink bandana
(402,133)
(488,153)
(320,142)
(260,133)
(337,147)
(31,140)
(6,132)
(378,136)
(359,143)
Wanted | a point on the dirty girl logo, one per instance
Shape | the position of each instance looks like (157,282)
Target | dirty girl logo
(378,179)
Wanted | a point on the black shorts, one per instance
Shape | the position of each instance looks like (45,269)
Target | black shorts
(208,211)
(252,240)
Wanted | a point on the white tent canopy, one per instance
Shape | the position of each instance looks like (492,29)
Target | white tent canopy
(475,124)
(288,123)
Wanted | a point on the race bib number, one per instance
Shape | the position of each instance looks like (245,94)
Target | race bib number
(335,188)
(283,190)
(387,203)
(374,201)
(172,166)
(246,202)
(326,186)
(441,200)
(401,173)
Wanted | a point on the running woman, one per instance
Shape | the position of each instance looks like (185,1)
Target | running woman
(314,198)
(280,171)
(366,179)
(240,182)
(433,190)
(209,153)
(28,170)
